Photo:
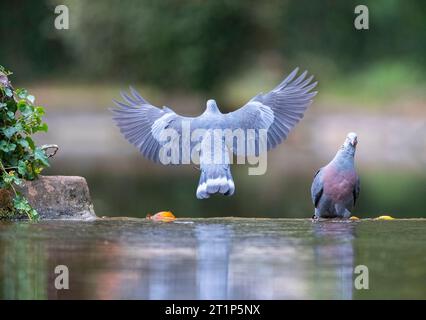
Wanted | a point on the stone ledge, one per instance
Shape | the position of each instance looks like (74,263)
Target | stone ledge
(59,197)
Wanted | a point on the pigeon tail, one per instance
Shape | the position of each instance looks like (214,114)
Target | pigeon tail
(215,179)
(215,170)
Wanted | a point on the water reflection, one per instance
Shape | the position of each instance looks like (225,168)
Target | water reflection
(19,265)
(198,259)
(213,251)
(334,259)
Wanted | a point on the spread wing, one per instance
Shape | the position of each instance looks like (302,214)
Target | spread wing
(143,124)
(277,111)
(317,188)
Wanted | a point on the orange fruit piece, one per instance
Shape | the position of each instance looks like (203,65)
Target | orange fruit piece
(163,216)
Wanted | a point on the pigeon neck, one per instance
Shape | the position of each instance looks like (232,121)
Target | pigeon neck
(345,153)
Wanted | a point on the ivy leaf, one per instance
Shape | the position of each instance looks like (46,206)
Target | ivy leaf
(25,109)
(33,214)
(22,93)
(21,204)
(30,143)
(10,115)
(19,118)
(24,143)
(9,131)
(31,98)
(22,167)
(39,110)
(10,178)
(40,155)
(7,147)
(17,181)
(42,127)
(8,92)
(5,71)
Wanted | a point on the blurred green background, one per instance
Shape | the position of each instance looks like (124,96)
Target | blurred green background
(181,53)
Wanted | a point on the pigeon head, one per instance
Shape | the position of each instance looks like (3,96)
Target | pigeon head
(348,148)
(350,143)
(351,140)
(212,106)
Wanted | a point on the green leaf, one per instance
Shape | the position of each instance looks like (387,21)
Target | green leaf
(21,204)
(33,214)
(42,127)
(19,119)
(10,178)
(19,127)
(25,109)
(17,181)
(39,110)
(9,131)
(22,167)
(30,142)
(21,93)
(8,92)
(24,143)
(31,98)
(5,71)
(40,155)
(7,147)
(11,115)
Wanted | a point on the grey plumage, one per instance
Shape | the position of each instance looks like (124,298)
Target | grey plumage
(277,111)
(336,186)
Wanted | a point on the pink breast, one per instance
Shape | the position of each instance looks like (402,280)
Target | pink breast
(338,184)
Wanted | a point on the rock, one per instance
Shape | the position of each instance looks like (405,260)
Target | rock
(59,197)
(6,197)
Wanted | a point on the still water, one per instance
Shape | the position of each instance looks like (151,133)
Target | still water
(217,258)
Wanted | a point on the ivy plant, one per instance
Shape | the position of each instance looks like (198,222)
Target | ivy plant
(20,158)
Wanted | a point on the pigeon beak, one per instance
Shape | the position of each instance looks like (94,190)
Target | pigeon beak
(354,141)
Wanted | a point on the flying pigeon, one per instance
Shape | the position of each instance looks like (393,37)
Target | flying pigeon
(336,186)
(276,113)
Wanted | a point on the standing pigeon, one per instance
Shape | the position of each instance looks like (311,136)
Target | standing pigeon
(335,188)
(275,112)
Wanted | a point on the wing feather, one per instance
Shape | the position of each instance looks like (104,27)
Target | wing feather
(277,111)
(356,190)
(141,122)
(317,188)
